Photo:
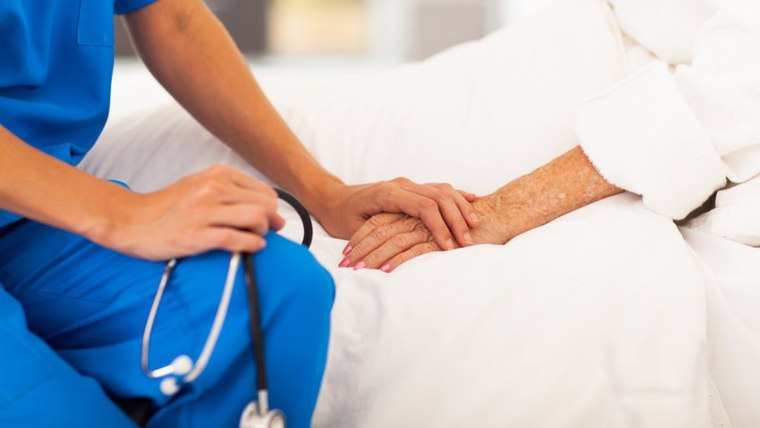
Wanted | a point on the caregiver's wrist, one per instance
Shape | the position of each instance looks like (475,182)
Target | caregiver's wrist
(322,196)
(107,222)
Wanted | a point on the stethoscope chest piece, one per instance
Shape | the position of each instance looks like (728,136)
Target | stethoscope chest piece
(252,418)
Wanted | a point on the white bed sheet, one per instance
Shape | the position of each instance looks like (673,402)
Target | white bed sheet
(603,318)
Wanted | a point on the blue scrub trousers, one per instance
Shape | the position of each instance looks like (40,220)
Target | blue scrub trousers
(90,305)
(39,389)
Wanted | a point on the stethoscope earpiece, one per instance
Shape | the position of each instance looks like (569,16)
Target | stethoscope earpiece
(182,365)
(169,386)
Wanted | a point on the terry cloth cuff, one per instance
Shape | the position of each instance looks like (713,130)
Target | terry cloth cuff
(643,137)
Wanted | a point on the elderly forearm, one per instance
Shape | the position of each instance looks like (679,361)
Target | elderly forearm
(193,56)
(565,184)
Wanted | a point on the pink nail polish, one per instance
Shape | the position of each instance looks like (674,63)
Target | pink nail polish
(344,263)
(386,268)
(347,250)
(360,266)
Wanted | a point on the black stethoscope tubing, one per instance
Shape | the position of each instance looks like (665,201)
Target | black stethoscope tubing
(251,285)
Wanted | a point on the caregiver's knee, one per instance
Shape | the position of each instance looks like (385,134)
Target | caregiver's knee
(300,279)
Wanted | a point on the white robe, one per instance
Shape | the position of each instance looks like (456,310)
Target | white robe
(674,130)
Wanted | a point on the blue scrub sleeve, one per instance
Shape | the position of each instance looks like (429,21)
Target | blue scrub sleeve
(122,7)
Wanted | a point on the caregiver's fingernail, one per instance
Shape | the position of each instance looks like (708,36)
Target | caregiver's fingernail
(449,244)
(344,263)
(468,239)
(386,268)
(360,266)
(347,250)
(474,217)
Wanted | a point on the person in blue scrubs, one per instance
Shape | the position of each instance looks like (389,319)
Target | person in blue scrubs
(83,256)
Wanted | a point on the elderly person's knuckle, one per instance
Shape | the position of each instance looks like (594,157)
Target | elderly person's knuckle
(377,220)
(409,223)
(380,234)
(419,227)
(400,241)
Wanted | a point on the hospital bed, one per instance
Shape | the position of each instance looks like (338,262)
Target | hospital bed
(660,331)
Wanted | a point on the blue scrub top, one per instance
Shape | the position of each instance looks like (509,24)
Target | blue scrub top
(56,62)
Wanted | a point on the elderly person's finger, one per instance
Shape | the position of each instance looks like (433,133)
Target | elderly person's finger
(376,238)
(393,247)
(415,251)
(373,223)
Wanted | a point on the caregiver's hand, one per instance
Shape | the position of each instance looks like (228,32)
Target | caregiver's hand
(445,211)
(386,241)
(219,208)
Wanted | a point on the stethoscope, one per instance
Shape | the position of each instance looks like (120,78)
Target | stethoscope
(183,370)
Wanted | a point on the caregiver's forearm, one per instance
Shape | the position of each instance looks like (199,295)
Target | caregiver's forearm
(155,226)
(47,190)
(201,67)
(566,184)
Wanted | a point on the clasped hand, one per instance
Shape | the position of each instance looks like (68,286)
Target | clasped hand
(386,241)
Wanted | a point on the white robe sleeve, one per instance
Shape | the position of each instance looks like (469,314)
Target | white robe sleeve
(674,136)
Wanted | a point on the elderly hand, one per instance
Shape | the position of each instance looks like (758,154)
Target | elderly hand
(565,184)
(386,241)
(444,211)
